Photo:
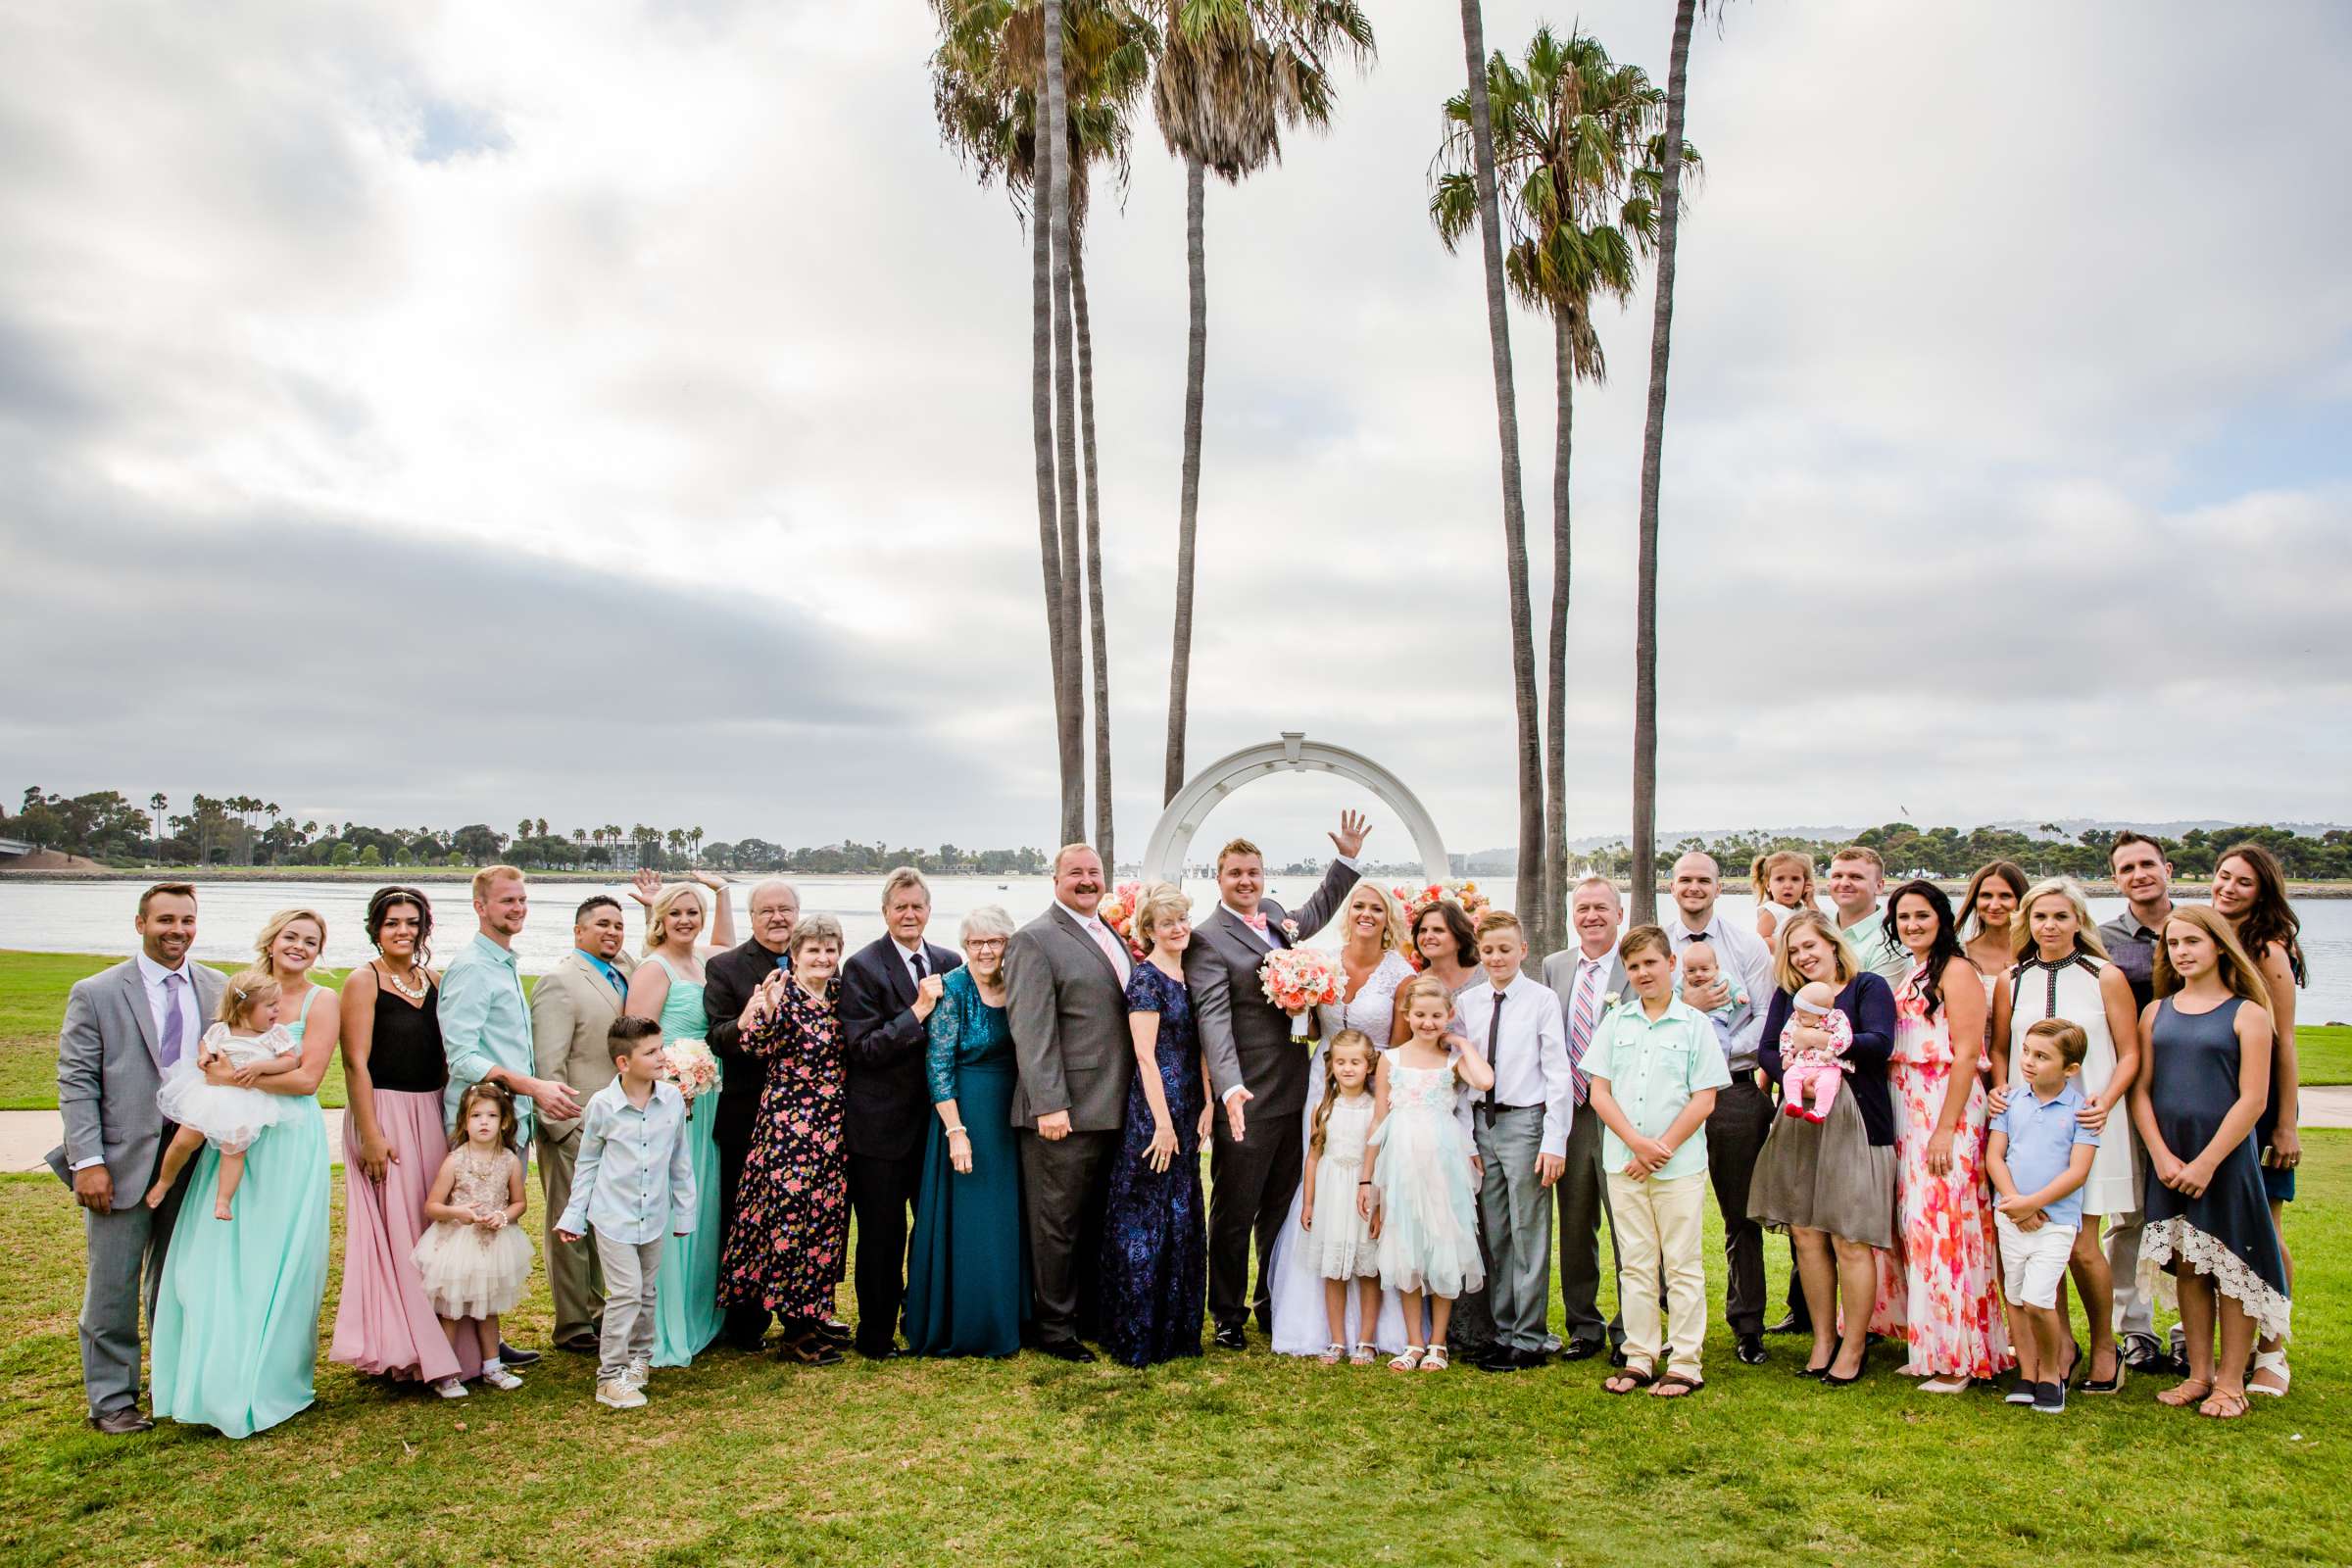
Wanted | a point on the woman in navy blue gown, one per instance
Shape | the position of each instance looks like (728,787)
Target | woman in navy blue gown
(1154,1229)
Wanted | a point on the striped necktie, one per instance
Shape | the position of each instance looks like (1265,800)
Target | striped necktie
(1580,1018)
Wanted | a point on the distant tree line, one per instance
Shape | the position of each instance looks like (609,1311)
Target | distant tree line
(244,830)
(1948,854)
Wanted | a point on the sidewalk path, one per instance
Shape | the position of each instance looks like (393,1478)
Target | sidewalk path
(27,1136)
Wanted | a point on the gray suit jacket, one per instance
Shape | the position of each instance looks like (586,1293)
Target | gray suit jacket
(1246,1038)
(573,1008)
(1559,973)
(1068,1012)
(108,1070)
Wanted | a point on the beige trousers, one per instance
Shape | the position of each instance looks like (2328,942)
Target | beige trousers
(1657,1225)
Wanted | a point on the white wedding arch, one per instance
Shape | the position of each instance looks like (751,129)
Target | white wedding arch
(1164,856)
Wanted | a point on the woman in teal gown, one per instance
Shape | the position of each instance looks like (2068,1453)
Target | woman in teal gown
(967,1271)
(236,1317)
(686,1313)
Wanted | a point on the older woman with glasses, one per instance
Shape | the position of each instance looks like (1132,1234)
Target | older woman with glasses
(967,1271)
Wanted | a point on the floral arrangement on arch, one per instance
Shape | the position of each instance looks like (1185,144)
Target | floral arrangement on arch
(1118,913)
(1418,903)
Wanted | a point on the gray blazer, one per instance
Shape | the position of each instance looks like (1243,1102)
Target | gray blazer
(1246,1038)
(1559,973)
(108,1070)
(1068,1012)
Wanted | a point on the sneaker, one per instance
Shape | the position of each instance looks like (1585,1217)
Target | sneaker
(2023,1393)
(619,1395)
(2049,1398)
(498,1377)
(640,1373)
(451,1389)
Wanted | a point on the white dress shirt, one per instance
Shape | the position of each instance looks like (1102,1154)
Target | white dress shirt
(1530,1052)
(906,958)
(1738,950)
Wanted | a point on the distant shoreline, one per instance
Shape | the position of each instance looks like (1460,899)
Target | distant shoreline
(381,876)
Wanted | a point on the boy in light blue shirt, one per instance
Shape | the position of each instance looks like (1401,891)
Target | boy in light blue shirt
(2037,1154)
(633,1185)
(1654,1068)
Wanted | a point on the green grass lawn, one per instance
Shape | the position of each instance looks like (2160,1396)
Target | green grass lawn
(2324,1053)
(1224,1460)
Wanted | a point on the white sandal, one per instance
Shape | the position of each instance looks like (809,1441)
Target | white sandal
(1332,1353)
(1408,1359)
(1366,1352)
(2271,1361)
(1434,1359)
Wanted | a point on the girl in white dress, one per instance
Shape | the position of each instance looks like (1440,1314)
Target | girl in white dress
(1339,1246)
(476,1260)
(1782,883)
(2062,972)
(1374,948)
(230,1117)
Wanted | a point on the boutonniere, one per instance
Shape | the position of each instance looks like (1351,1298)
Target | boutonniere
(1289,928)
(1610,998)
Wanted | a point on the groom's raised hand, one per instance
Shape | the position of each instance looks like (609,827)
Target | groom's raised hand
(1349,839)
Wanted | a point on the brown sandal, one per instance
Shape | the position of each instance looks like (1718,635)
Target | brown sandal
(809,1349)
(2178,1395)
(2222,1404)
(1628,1376)
(1676,1386)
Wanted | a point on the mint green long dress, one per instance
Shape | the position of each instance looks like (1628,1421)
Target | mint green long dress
(686,1310)
(236,1317)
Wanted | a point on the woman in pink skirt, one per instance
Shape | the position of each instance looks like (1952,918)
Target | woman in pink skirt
(393,1141)
(1937,1287)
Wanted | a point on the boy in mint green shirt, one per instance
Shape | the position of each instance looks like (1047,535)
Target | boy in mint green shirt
(1654,1067)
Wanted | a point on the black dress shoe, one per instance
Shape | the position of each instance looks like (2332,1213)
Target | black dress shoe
(1749,1349)
(580,1344)
(1832,1380)
(880,1352)
(1501,1359)
(508,1355)
(1580,1350)
(1789,1325)
(122,1423)
(746,1343)
(1067,1351)
(1232,1339)
(1617,1355)
(836,1332)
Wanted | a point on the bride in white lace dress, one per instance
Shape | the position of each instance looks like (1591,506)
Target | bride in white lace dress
(1374,931)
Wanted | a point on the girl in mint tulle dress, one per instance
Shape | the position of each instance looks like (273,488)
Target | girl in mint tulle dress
(1416,1185)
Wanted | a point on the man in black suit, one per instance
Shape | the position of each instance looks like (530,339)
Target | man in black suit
(1065,979)
(730,979)
(888,989)
(1254,1057)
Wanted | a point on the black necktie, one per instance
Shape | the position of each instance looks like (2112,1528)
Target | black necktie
(1494,1039)
(919,969)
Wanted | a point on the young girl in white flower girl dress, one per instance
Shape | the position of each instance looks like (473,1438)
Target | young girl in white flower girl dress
(1340,1238)
(475,1259)
(230,1117)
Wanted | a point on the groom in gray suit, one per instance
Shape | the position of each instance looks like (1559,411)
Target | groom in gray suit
(124,1028)
(1254,1057)
(1586,977)
(1065,978)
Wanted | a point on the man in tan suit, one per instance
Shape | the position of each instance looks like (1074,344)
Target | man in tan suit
(573,1008)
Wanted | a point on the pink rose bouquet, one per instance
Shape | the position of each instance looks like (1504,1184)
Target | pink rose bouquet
(1298,979)
(689,1064)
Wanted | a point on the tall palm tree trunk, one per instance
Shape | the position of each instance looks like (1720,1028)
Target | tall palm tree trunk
(1555,716)
(1188,506)
(1054,150)
(1099,635)
(1654,443)
(1041,429)
(1514,511)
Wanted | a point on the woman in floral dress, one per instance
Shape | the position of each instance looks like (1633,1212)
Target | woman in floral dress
(1937,1287)
(791,1226)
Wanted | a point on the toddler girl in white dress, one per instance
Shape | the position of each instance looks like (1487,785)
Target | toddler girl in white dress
(230,1117)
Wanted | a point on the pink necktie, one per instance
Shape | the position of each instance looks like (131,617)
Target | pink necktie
(1580,1033)
(1255,922)
(1109,946)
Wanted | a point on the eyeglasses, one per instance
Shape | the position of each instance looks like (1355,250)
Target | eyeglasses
(987,944)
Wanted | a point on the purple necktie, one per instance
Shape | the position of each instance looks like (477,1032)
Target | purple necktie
(174,1029)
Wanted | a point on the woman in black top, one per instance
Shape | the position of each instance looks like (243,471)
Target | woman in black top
(1831,1184)
(393,1144)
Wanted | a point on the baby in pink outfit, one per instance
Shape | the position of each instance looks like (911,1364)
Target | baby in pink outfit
(1813,1047)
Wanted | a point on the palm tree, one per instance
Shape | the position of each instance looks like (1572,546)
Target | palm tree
(1653,445)
(985,76)
(1573,131)
(156,804)
(1514,513)
(1232,74)
(693,842)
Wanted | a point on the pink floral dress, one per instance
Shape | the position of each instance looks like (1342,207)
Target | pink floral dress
(1938,1289)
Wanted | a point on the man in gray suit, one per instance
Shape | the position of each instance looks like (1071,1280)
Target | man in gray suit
(124,1028)
(1585,978)
(1253,1058)
(1066,975)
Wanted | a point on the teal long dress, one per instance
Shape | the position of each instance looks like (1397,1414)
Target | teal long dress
(236,1317)
(686,1310)
(967,1271)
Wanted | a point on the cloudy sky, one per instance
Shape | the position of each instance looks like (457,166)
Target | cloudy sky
(428,413)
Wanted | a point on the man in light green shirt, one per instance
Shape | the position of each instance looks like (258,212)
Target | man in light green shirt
(1856,874)
(1654,1068)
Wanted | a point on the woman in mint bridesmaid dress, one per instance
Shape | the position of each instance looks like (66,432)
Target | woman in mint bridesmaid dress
(668,987)
(236,1316)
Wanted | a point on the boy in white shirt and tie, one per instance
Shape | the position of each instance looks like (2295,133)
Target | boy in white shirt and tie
(1521,1130)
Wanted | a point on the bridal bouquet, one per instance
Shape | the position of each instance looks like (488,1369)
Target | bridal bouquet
(1297,979)
(689,1064)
